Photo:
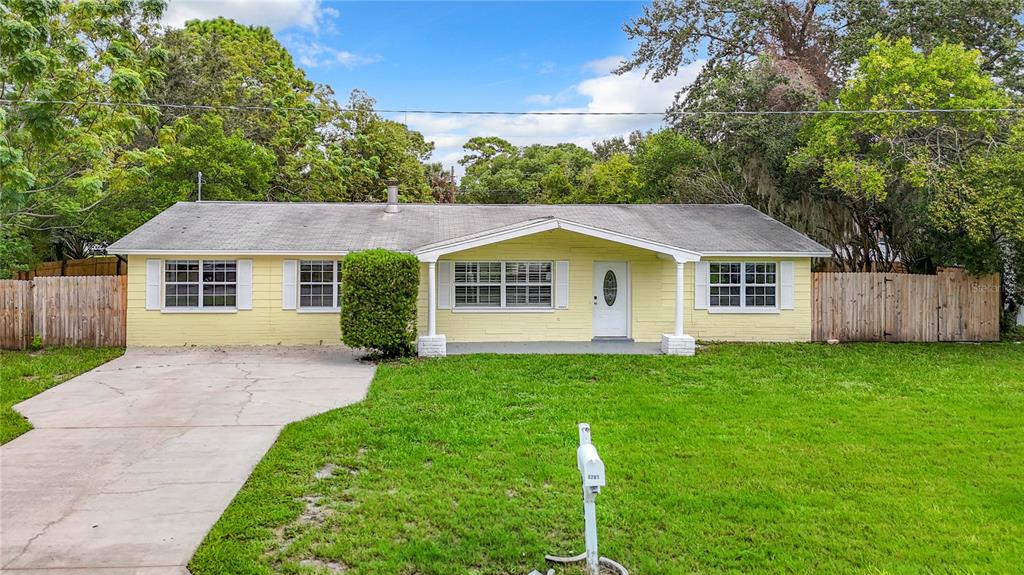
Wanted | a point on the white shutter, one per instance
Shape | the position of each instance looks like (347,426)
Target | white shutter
(243,299)
(700,283)
(289,275)
(562,285)
(786,288)
(339,292)
(444,285)
(153,270)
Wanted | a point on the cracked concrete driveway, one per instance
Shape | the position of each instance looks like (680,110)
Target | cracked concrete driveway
(130,464)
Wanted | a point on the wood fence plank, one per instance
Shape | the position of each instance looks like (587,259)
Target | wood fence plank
(64,310)
(122,338)
(949,306)
(16,314)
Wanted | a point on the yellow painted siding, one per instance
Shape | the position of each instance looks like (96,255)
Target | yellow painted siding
(787,325)
(653,283)
(652,301)
(265,324)
(649,294)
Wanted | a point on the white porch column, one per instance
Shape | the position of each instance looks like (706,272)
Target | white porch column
(431,299)
(678,343)
(680,277)
(432,345)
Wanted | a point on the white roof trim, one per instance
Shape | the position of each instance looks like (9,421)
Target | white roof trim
(433,252)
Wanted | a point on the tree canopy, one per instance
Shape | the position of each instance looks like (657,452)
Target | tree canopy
(913,176)
(653,167)
(214,97)
(813,43)
(498,172)
(59,155)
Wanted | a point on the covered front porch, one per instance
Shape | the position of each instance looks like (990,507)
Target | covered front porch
(595,292)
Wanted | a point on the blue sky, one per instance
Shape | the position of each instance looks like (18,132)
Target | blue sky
(521,56)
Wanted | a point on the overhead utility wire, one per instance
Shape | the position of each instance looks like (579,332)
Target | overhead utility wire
(214,107)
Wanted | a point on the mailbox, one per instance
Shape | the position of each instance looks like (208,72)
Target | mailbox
(592,473)
(590,465)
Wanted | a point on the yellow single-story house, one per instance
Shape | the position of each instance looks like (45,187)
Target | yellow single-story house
(253,273)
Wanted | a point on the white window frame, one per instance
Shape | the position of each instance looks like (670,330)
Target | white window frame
(743,307)
(504,283)
(335,285)
(550,284)
(457,284)
(201,284)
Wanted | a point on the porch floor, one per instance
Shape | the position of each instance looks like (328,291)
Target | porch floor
(557,347)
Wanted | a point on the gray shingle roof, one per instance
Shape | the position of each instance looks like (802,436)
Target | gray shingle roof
(248,227)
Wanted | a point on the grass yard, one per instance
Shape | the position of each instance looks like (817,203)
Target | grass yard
(27,373)
(787,458)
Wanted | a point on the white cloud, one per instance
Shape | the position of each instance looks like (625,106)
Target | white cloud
(629,92)
(350,60)
(307,15)
(276,14)
(603,65)
(312,54)
(561,97)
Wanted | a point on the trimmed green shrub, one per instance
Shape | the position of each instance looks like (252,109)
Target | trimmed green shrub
(378,301)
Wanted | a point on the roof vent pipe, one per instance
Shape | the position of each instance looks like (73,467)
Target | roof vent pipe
(392,207)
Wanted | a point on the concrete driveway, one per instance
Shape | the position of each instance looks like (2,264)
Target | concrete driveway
(130,464)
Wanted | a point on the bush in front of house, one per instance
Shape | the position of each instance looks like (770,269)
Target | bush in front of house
(378,301)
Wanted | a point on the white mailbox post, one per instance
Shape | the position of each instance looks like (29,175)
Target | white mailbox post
(592,473)
(592,477)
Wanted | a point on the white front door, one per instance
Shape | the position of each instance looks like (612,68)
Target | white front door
(611,299)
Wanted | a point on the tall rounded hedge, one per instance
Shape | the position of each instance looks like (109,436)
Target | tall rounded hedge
(378,301)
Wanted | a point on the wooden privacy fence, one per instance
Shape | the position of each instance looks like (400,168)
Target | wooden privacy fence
(96,266)
(77,311)
(949,306)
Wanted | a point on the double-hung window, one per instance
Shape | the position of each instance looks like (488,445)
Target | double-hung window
(528,284)
(760,286)
(742,285)
(477,284)
(517,284)
(200,284)
(181,283)
(319,284)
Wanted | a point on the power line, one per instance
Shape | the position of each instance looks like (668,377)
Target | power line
(217,107)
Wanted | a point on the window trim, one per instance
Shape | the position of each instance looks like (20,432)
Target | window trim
(164,308)
(743,307)
(503,306)
(173,310)
(550,284)
(166,284)
(477,284)
(336,308)
(214,282)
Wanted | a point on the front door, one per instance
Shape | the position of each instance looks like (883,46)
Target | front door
(611,299)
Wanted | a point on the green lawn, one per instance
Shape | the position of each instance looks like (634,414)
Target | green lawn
(27,373)
(788,458)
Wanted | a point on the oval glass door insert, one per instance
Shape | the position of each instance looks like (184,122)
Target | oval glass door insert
(611,288)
